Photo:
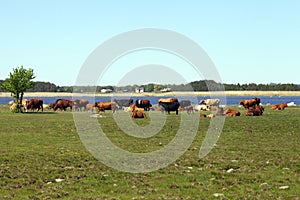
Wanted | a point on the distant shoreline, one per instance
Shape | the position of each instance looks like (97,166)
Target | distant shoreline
(227,93)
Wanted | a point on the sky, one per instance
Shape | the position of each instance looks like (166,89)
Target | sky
(248,41)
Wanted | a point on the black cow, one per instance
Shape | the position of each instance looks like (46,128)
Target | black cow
(170,106)
(185,103)
(123,102)
(145,103)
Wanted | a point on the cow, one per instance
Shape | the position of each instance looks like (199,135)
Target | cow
(231,113)
(170,106)
(46,106)
(185,103)
(24,104)
(102,106)
(220,111)
(143,103)
(210,115)
(62,104)
(51,105)
(167,100)
(133,107)
(210,102)
(89,107)
(13,105)
(202,115)
(189,109)
(198,107)
(138,114)
(281,106)
(123,102)
(255,111)
(34,103)
(250,102)
(80,104)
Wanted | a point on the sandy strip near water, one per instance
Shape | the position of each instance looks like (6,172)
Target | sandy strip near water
(128,94)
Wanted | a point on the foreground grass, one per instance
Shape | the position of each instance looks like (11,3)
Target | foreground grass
(253,159)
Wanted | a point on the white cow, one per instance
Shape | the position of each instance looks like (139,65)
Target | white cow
(210,102)
(198,107)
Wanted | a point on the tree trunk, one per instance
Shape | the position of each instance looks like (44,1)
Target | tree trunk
(20,103)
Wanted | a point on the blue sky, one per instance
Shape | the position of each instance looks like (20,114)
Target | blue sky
(248,41)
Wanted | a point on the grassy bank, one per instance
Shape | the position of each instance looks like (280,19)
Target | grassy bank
(42,157)
(227,93)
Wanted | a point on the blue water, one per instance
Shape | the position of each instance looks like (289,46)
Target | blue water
(230,100)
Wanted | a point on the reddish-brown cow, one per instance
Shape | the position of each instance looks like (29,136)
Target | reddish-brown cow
(281,106)
(34,103)
(102,106)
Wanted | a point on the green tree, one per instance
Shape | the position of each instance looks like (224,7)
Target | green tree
(18,82)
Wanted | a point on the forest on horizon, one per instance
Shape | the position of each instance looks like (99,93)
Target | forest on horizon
(202,85)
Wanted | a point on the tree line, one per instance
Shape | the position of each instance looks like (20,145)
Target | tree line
(203,85)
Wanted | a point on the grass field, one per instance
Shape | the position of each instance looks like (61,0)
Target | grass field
(42,157)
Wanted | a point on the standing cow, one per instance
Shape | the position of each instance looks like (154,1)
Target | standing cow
(123,102)
(248,103)
(80,104)
(145,103)
(34,104)
(170,106)
(61,104)
(102,106)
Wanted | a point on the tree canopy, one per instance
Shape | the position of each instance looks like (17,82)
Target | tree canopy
(18,82)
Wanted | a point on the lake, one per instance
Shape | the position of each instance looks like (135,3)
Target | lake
(230,100)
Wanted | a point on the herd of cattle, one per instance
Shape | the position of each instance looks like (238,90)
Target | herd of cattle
(138,107)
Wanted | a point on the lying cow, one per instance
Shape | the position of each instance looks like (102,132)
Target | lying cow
(207,116)
(250,103)
(138,114)
(281,106)
(231,113)
(13,105)
(198,107)
(256,111)
(170,106)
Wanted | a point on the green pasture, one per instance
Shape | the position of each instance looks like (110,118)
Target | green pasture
(42,157)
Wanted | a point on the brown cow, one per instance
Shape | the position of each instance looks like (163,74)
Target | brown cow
(256,111)
(167,100)
(250,103)
(231,113)
(34,103)
(189,109)
(281,106)
(80,104)
(62,104)
(202,115)
(102,106)
(138,114)
(133,107)
(89,107)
